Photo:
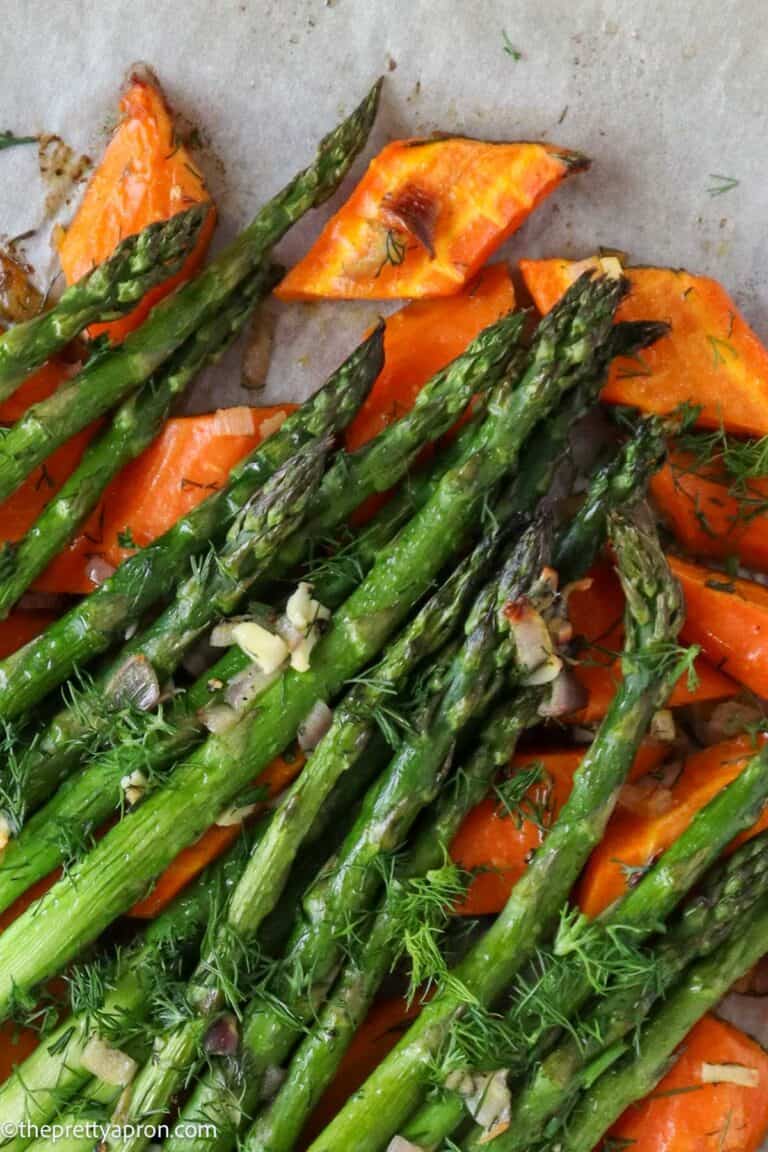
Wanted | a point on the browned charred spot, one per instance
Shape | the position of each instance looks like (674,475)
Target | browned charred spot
(61,169)
(415,210)
(517,609)
(19,298)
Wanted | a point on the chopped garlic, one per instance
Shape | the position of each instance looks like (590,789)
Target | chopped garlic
(302,611)
(400,1144)
(134,786)
(108,1064)
(6,832)
(233,816)
(268,650)
(741,1074)
(301,653)
(663,726)
(611,267)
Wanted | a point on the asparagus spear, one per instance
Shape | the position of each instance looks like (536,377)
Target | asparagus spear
(116,872)
(134,426)
(110,290)
(540,1110)
(89,627)
(314,1063)
(348,482)
(107,380)
(386,812)
(638,1073)
(654,614)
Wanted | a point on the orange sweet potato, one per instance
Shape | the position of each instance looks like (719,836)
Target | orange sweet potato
(710,358)
(683,1114)
(425,217)
(145,175)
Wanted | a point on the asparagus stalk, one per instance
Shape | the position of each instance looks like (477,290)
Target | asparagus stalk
(316,1060)
(638,1073)
(387,810)
(654,614)
(107,380)
(116,872)
(540,1111)
(89,627)
(348,482)
(133,428)
(110,290)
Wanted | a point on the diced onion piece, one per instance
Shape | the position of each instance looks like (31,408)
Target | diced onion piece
(97,570)
(646,801)
(223,1037)
(663,726)
(314,726)
(234,422)
(535,653)
(567,695)
(272,1081)
(258,350)
(491,1101)
(302,611)
(610,266)
(232,816)
(301,653)
(247,685)
(108,1064)
(6,832)
(219,717)
(135,684)
(741,1074)
(221,635)
(134,786)
(272,424)
(400,1144)
(269,650)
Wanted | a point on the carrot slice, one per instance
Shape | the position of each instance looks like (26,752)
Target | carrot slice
(729,619)
(19,512)
(374,1040)
(192,860)
(145,175)
(422,338)
(683,1114)
(707,519)
(191,458)
(711,356)
(19,628)
(39,386)
(425,217)
(500,844)
(597,618)
(16,1044)
(634,839)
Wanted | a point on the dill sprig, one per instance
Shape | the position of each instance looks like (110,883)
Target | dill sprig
(526,795)
(737,463)
(663,660)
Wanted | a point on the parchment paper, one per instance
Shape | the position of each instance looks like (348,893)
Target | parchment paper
(662,96)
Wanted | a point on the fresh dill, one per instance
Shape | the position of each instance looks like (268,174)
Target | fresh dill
(509,48)
(521,799)
(721,184)
(10,140)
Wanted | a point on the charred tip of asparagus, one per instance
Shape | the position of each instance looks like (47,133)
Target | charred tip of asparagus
(631,336)
(655,609)
(574,161)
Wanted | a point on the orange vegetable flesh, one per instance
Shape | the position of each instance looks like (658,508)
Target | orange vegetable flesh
(374,1040)
(683,1114)
(145,175)
(191,861)
(19,628)
(19,512)
(191,458)
(597,618)
(16,1044)
(499,844)
(706,517)
(425,217)
(728,618)
(711,357)
(39,386)
(635,839)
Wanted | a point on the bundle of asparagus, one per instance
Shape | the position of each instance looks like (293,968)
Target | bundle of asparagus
(414,656)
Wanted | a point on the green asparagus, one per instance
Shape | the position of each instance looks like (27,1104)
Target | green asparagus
(89,627)
(110,290)
(654,614)
(133,427)
(108,379)
(703,985)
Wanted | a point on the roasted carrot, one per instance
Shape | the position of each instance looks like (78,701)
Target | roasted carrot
(145,175)
(425,217)
(498,844)
(635,837)
(39,386)
(16,1044)
(422,338)
(686,1114)
(710,358)
(191,861)
(191,458)
(597,618)
(728,618)
(706,515)
(20,627)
